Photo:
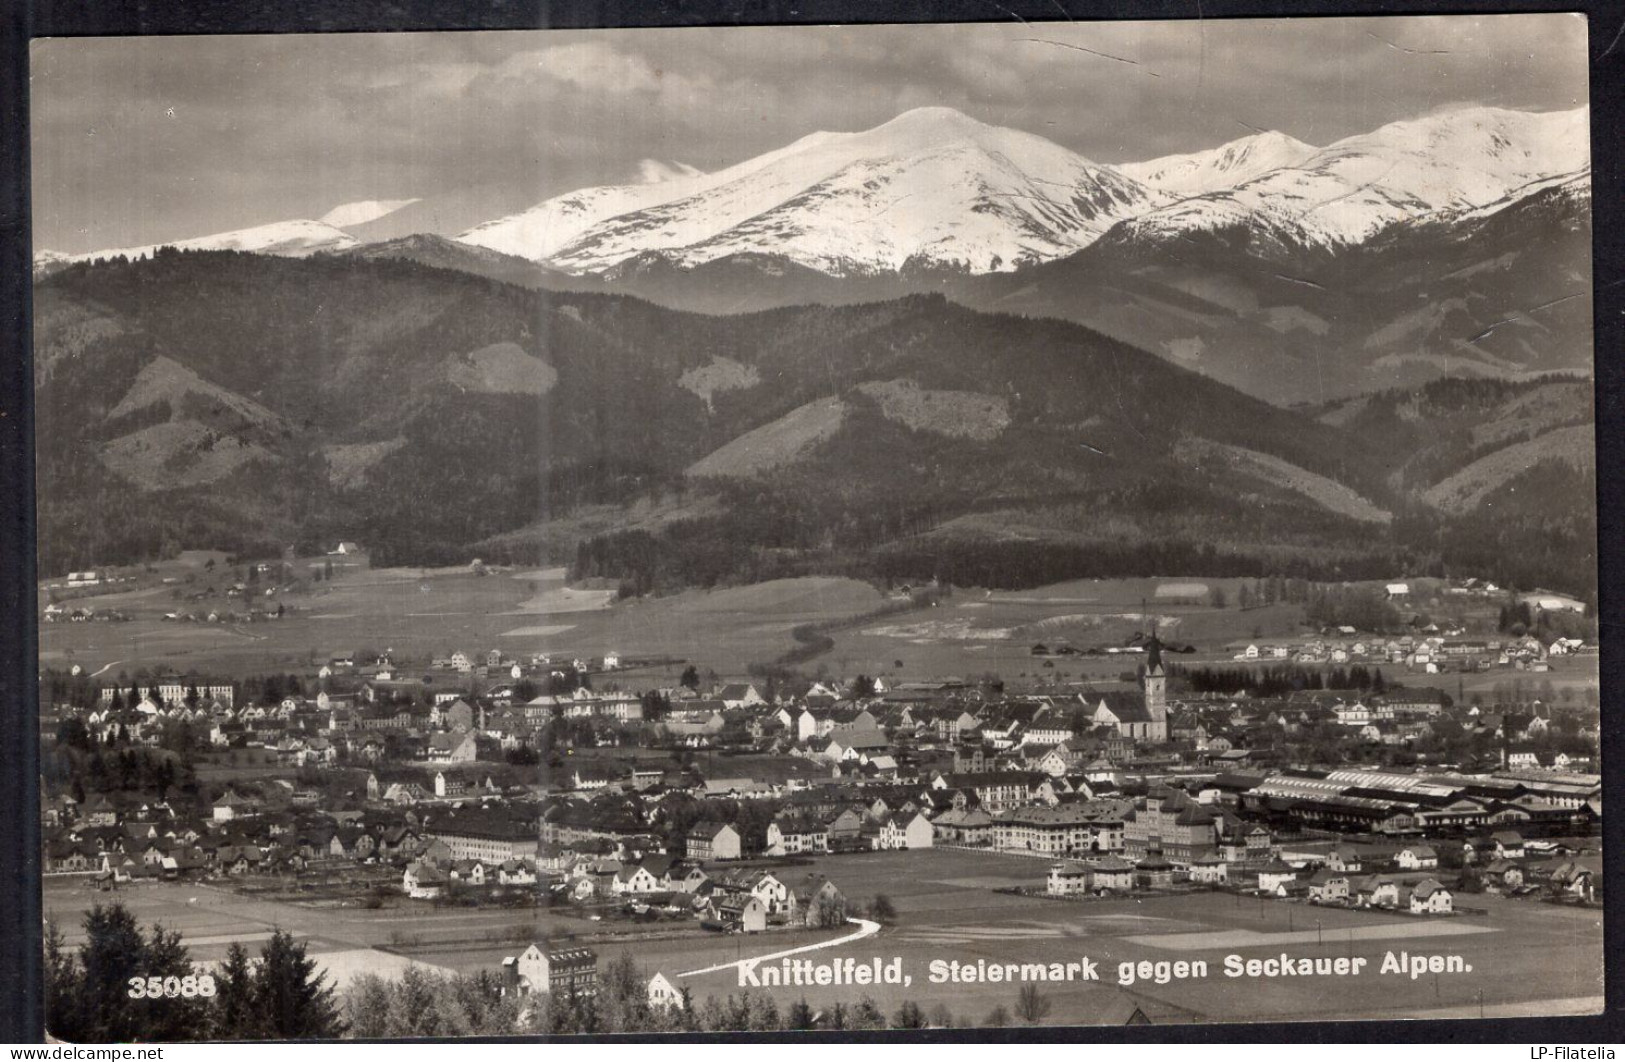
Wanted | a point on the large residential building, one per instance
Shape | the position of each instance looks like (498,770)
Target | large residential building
(477,833)
(561,972)
(714,840)
(1067,829)
(1172,825)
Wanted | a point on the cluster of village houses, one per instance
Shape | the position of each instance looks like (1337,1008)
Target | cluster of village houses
(1430,654)
(1121,790)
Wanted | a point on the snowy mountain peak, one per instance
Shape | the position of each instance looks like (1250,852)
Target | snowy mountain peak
(1342,194)
(931,188)
(933,119)
(359,213)
(654,171)
(292,239)
(1225,166)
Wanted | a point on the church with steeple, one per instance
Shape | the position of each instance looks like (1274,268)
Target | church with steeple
(1154,685)
(1141,716)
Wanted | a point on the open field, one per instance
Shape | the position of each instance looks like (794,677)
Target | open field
(425,613)
(1520,953)
(211,918)
(422,614)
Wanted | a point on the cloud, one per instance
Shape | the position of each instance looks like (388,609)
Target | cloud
(143,139)
(596,67)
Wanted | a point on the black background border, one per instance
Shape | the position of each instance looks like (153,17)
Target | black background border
(21,1019)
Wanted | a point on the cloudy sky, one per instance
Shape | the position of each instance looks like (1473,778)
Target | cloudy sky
(140,140)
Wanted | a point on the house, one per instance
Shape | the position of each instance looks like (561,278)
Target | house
(662,993)
(903,831)
(855,745)
(1417,857)
(1429,897)
(560,972)
(1066,879)
(1275,876)
(820,901)
(515,872)
(1328,886)
(405,793)
(1153,872)
(228,807)
(1377,891)
(774,895)
(1345,858)
(844,829)
(1574,879)
(713,840)
(422,881)
(1210,869)
(1108,873)
(1508,844)
(740,695)
(791,835)
(1504,874)
(739,913)
(683,877)
(996,791)
(634,879)
(968,826)
(452,747)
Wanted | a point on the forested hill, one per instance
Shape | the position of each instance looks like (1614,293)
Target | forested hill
(250,402)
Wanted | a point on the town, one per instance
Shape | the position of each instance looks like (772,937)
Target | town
(576,814)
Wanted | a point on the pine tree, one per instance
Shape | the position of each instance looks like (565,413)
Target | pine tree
(62,982)
(909,1016)
(93,992)
(235,1014)
(112,954)
(800,1015)
(174,1018)
(294,1001)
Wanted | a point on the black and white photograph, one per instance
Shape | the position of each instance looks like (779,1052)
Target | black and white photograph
(971,526)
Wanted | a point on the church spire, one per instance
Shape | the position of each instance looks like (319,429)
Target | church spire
(1156,681)
(1153,646)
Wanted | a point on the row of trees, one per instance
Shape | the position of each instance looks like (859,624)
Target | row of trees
(622,1006)
(82,767)
(97,993)
(1278,680)
(1360,607)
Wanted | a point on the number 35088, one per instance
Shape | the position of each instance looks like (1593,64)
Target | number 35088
(172,987)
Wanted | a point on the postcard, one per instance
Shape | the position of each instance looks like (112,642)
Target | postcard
(941,526)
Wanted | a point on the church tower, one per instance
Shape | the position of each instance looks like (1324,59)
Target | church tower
(1156,680)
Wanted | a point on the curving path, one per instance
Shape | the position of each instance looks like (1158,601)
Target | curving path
(866,928)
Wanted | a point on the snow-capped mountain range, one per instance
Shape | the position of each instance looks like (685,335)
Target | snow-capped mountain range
(290,239)
(1226,166)
(935,190)
(293,239)
(1349,191)
(928,188)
